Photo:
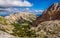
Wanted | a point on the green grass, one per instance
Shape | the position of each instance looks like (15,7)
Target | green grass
(23,30)
(3,21)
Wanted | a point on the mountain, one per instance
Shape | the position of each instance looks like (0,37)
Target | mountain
(22,16)
(48,29)
(17,24)
(52,13)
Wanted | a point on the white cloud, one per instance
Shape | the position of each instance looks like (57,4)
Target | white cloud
(27,9)
(15,3)
(36,10)
(39,10)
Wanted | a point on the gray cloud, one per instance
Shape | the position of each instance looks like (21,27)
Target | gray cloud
(15,3)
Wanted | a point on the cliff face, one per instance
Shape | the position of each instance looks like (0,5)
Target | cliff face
(52,13)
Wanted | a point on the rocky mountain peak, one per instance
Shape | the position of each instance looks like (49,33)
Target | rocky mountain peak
(54,7)
(52,13)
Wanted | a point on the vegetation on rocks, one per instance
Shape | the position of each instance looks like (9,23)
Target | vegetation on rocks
(3,21)
(23,28)
(50,29)
(18,26)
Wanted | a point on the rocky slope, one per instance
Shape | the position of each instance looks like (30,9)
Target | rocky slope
(21,16)
(52,13)
(17,24)
(6,35)
(48,29)
(6,22)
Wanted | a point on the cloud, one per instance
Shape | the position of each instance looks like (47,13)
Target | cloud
(8,11)
(27,9)
(15,3)
(39,10)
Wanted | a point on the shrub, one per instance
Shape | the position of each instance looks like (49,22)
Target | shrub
(23,30)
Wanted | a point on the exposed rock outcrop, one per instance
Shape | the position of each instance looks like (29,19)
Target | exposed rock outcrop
(52,13)
(21,16)
(6,35)
(49,29)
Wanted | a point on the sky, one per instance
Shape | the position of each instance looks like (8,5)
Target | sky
(34,6)
(42,4)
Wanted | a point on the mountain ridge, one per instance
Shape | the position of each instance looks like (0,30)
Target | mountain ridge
(21,16)
(52,13)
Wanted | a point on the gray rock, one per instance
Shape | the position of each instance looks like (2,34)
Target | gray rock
(6,35)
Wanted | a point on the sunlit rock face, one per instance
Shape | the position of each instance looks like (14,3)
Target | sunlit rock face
(21,16)
(52,13)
